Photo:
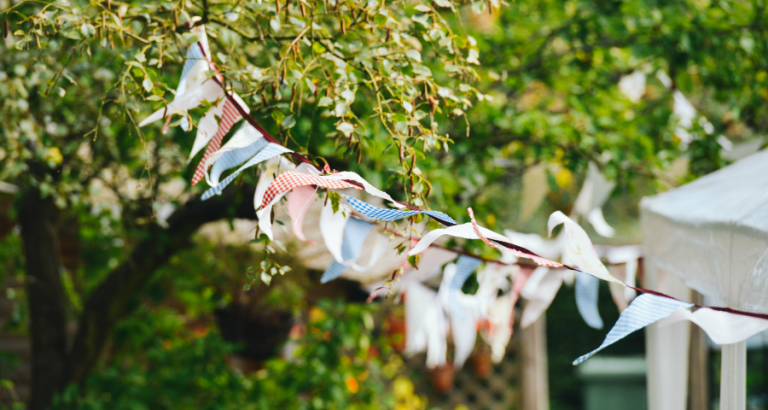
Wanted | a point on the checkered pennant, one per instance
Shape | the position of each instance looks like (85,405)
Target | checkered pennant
(268,152)
(538,259)
(464,267)
(231,159)
(229,116)
(385,214)
(290,179)
(643,311)
(587,287)
(354,235)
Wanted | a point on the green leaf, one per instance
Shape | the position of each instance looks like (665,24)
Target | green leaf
(335,200)
(413,260)
(278,116)
(289,122)
(380,20)
(274,23)
(266,278)
(147,84)
(318,48)
(88,30)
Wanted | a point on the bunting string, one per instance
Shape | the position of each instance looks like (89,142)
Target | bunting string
(645,309)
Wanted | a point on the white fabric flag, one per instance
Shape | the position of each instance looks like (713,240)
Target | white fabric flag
(722,327)
(368,187)
(498,332)
(464,327)
(332,227)
(209,124)
(465,231)
(593,195)
(200,89)
(541,297)
(578,248)
(418,298)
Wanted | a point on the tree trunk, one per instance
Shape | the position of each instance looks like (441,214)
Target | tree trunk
(45,294)
(53,364)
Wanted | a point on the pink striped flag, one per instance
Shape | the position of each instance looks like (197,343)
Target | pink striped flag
(229,116)
(299,202)
(538,259)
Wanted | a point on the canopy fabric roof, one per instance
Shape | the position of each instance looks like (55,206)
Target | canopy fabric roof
(713,233)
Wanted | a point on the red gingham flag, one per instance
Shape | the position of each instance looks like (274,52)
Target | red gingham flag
(538,259)
(291,179)
(229,117)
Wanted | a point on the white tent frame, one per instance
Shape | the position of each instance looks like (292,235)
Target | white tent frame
(711,235)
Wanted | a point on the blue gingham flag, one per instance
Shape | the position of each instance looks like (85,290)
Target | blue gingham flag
(194,54)
(231,159)
(643,311)
(386,214)
(587,287)
(354,235)
(464,267)
(266,153)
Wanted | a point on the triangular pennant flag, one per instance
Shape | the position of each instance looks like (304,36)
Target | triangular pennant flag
(484,234)
(464,267)
(235,152)
(541,297)
(299,201)
(195,54)
(722,327)
(229,116)
(351,176)
(591,199)
(498,330)
(464,327)
(200,88)
(587,287)
(208,128)
(643,311)
(417,301)
(470,231)
(275,165)
(518,284)
(428,266)
(332,227)
(379,249)
(578,248)
(386,214)
(271,150)
(354,235)
(291,179)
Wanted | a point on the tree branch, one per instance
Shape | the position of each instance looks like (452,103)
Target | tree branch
(113,299)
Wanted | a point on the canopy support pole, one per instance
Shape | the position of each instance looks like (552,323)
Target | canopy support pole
(667,347)
(533,375)
(733,377)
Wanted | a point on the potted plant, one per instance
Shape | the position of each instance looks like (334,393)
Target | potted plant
(442,377)
(480,361)
(396,330)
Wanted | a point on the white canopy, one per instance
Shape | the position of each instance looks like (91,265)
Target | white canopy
(713,233)
(712,236)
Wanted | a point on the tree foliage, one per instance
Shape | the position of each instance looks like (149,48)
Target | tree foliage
(443,104)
